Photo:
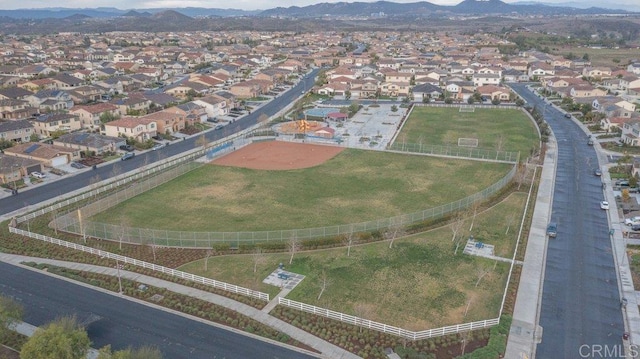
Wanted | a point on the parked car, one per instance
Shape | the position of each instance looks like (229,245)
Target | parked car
(219,127)
(604,205)
(156,146)
(635,227)
(127,148)
(127,156)
(38,174)
(631,221)
(157,137)
(77,165)
(567,115)
(552,229)
(597,172)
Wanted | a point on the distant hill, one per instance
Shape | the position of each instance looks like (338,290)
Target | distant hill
(172,16)
(60,13)
(470,7)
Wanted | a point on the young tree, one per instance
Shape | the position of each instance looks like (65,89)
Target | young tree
(145,352)
(258,258)
(324,283)
(210,252)
(509,221)
(456,224)
(393,231)
(263,118)
(202,142)
(10,313)
(347,240)
(63,338)
(481,272)
(475,206)
(362,311)
(294,246)
(116,170)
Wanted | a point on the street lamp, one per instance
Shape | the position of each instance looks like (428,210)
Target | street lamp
(119,278)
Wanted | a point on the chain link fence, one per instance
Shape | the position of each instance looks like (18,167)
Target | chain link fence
(77,222)
(457,152)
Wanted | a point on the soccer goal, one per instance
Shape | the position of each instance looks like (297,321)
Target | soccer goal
(467,109)
(467,142)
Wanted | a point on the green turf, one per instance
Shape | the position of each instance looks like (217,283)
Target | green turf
(354,186)
(418,284)
(444,125)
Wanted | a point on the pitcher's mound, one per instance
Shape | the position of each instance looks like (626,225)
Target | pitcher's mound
(278,155)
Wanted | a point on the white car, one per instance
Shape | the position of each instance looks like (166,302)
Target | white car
(631,221)
(604,205)
(38,174)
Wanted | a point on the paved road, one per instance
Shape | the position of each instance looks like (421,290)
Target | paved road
(82,179)
(580,299)
(123,323)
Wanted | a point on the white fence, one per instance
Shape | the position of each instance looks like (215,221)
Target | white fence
(179,274)
(388,329)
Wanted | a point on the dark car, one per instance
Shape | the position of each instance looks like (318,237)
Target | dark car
(552,229)
(127,148)
(567,115)
(219,127)
(77,165)
(127,156)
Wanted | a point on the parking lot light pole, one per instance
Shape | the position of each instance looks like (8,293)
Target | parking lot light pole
(119,278)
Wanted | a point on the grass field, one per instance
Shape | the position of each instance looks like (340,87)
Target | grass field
(418,284)
(601,57)
(512,129)
(354,186)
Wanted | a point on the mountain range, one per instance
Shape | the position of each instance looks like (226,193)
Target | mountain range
(388,8)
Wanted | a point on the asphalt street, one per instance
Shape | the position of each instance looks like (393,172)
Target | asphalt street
(104,171)
(122,323)
(580,298)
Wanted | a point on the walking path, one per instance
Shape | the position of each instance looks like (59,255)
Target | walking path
(327,349)
(525,332)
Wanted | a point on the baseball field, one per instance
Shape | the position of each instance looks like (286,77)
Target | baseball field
(281,185)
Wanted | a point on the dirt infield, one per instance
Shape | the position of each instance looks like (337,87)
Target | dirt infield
(278,155)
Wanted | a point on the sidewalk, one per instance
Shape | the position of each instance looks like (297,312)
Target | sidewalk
(327,349)
(525,333)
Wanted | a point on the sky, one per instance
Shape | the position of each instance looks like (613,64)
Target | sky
(236,4)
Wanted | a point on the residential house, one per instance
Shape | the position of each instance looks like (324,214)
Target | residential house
(612,123)
(14,93)
(65,81)
(513,75)
(596,72)
(51,100)
(183,89)
(132,105)
(168,121)
(90,115)
(482,79)
(395,89)
(246,89)
(13,169)
(48,155)
(426,91)
(634,67)
(193,113)
(138,128)
(213,105)
(46,125)
(613,106)
(631,133)
(38,84)
(32,71)
(586,90)
(94,143)
(494,92)
(16,130)
(85,94)
(15,109)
